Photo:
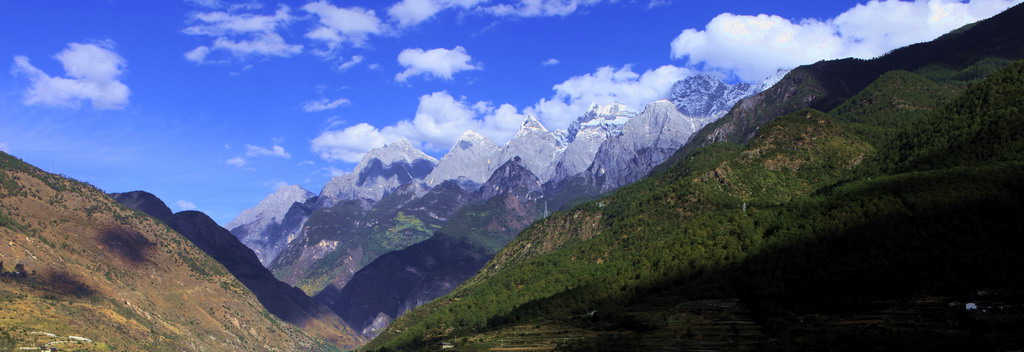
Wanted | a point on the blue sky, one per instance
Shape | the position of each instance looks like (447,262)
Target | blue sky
(212,104)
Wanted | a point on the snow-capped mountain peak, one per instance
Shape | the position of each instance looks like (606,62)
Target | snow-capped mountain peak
(531,125)
(770,81)
(397,151)
(608,118)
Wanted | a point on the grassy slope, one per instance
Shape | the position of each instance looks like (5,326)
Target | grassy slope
(809,183)
(116,276)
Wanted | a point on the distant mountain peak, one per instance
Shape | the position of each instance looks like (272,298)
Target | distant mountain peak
(609,109)
(400,150)
(470,157)
(531,125)
(273,207)
(705,95)
(608,117)
(468,140)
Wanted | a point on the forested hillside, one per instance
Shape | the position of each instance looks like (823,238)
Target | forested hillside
(834,227)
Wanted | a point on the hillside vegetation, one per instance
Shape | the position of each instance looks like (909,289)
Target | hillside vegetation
(839,229)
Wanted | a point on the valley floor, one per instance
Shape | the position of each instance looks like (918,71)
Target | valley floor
(926,322)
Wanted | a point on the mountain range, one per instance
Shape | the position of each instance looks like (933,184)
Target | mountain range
(397,196)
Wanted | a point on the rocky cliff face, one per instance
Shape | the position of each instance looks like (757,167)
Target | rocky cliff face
(585,136)
(472,157)
(646,140)
(535,146)
(260,227)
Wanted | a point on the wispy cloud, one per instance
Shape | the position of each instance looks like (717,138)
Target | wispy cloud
(324,104)
(237,161)
(352,62)
(185,205)
(241,34)
(253,151)
(550,62)
(413,12)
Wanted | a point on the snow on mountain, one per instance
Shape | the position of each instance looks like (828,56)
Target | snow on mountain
(380,171)
(646,140)
(472,157)
(586,134)
(535,145)
(769,81)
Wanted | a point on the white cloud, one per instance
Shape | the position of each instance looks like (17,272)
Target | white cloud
(658,3)
(268,44)
(354,60)
(606,85)
(550,62)
(348,144)
(237,161)
(241,34)
(334,172)
(219,23)
(729,42)
(253,151)
(335,121)
(440,62)
(439,121)
(198,54)
(4,147)
(535,8)
(92,74)
(412,12)
(185,205)
(207,3)
(339,25)
(324,104)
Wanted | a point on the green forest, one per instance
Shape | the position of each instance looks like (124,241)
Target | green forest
(909,188)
